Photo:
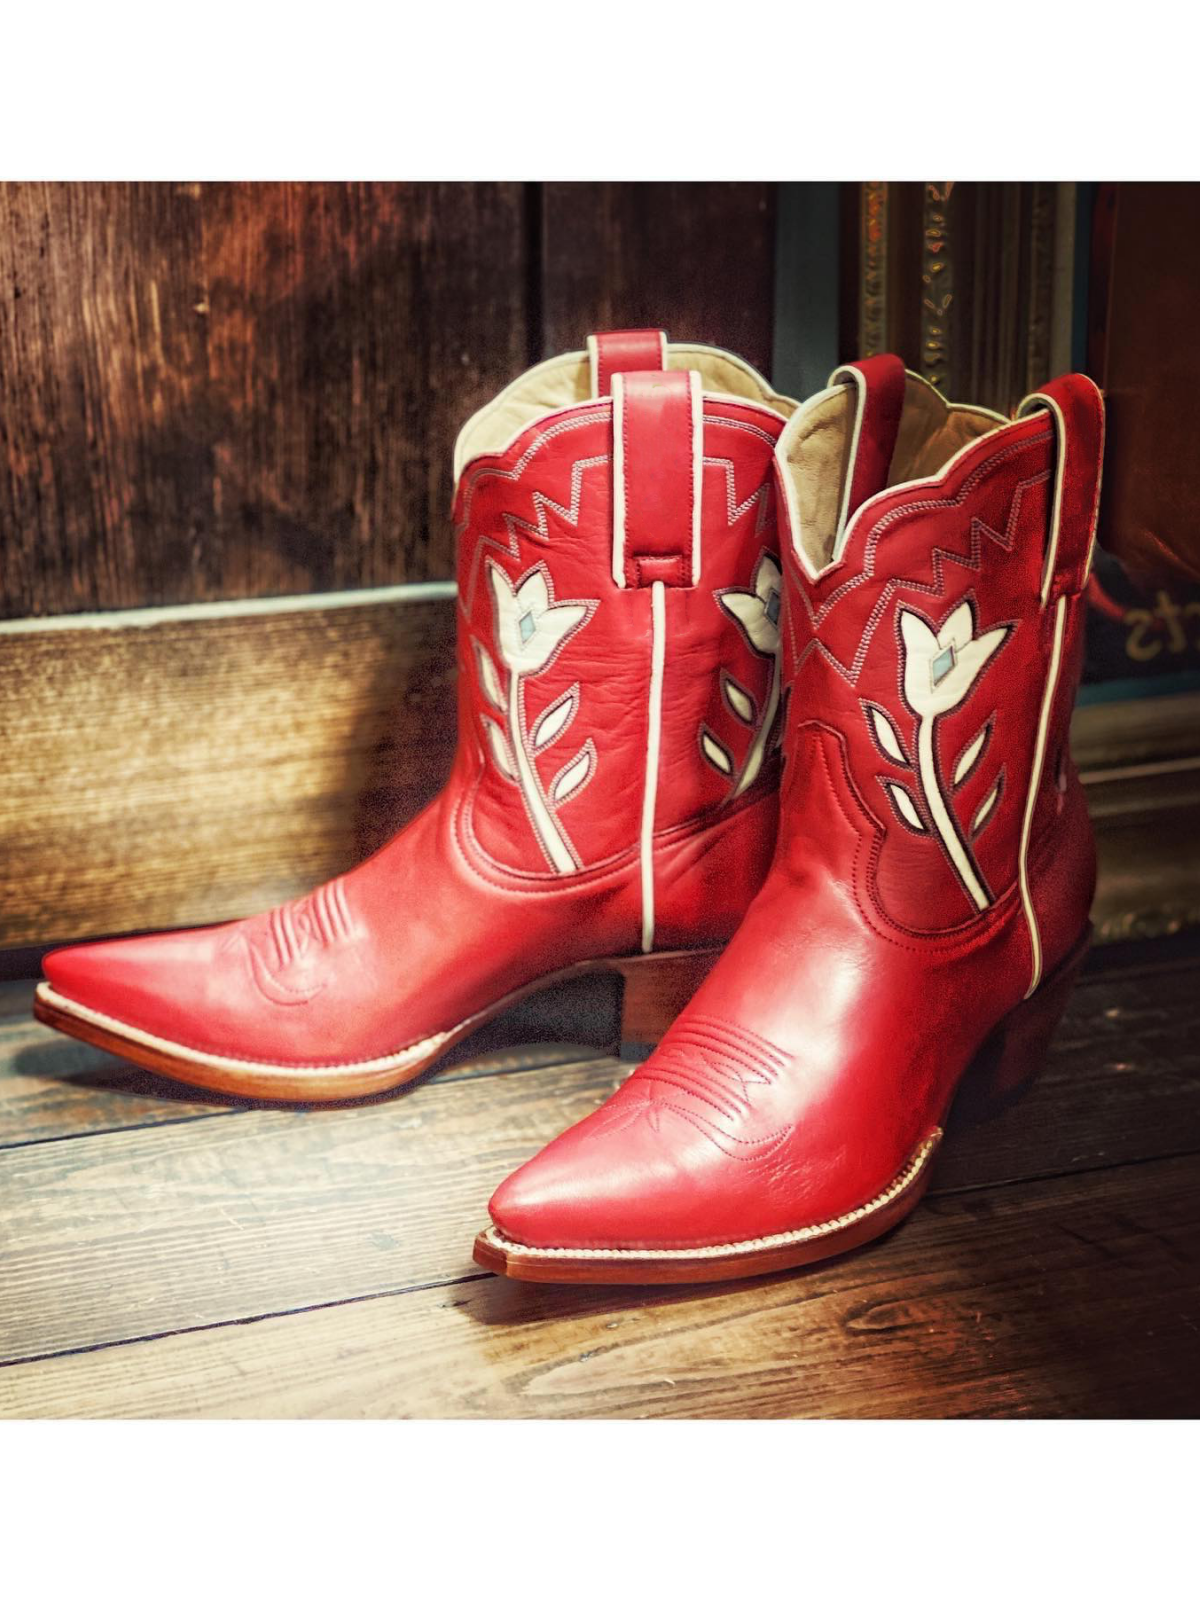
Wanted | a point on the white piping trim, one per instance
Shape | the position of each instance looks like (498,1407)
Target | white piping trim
(1036,402)
(618,490)
(793,427)
(696,401)
(785,476)
(550,417)
(1035,779)
(237,1066)
(676,355)
(840,378)
(658,650)
(1040,401)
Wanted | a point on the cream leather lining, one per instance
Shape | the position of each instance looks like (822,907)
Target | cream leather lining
(567,381)
(815,454)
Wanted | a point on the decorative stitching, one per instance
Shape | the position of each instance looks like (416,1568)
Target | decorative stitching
(938,558)
(904,1179)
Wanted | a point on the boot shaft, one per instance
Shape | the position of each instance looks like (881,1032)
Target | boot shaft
(619,595)
(936,559)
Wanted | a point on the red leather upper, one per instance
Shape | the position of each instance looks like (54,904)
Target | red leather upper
(894,929)
(531,857)
(656,416)
(625,350)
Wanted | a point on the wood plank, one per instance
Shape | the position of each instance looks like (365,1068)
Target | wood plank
(1146,235)
(53,1087)
(216,390)
(1073,1297)
(697,259)
(185,768)
(354,327)
(1148,879)
(158,1228)
(1107,736)
(106,448)
(147,1231)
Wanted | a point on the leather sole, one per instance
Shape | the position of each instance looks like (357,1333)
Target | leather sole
(1002,1068)
(749,1258)
(655,989)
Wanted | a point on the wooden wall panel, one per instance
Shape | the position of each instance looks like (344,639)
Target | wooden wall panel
(961,279)
(1145,352)
(197,767)
(228,390)
(697,259)
(105,448)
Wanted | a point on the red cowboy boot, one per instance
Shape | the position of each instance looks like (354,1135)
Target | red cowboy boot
(612,803)
(928,901)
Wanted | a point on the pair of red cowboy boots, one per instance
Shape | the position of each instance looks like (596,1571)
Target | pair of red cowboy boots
(666,571)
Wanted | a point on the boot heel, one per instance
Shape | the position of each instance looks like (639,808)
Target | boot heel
(1015,1051)
(657,987)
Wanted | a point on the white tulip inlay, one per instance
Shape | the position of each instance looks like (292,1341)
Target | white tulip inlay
(757,613)
(903,803)
(531,627)
(986,809)
(739,702)
(966,761)
(940,670)
(489,678)
(886,736)
(500,751)
(574,775)
(716,752)
(555,718)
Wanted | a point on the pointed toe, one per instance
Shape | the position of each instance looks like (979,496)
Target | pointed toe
(612,1182)
(101,976)
(129,980)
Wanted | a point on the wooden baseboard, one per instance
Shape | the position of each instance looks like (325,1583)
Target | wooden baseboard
(202,762)
(167,768)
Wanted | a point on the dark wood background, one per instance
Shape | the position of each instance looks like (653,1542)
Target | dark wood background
(229,392)
(217,391)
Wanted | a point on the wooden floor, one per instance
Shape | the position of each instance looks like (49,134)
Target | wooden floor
(167,1254)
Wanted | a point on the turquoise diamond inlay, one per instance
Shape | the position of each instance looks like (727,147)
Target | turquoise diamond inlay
(528,625)
(941,665)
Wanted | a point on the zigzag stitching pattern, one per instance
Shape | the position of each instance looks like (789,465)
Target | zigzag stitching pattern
(511,474)
(745,427)
(735,511)
(938,557)
(537,531)
(541,501)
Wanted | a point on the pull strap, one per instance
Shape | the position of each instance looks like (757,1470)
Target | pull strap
(627,350)
(1077,407)
(879,382)
(658,440)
